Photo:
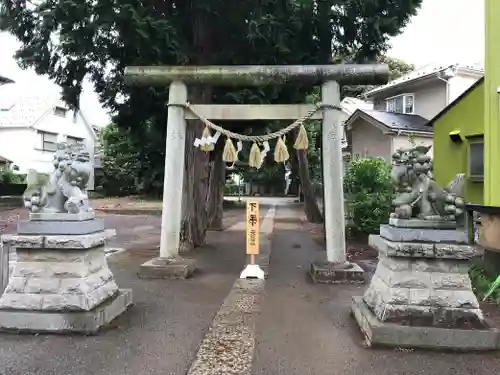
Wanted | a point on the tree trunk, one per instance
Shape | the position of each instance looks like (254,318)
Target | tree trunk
(215,196)
(194,221)
(325,31)
(196,173)
(311,208)
(294,176)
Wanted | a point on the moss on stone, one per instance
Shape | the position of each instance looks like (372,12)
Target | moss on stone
(257,75)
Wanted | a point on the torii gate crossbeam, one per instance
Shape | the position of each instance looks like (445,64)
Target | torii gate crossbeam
(330,77)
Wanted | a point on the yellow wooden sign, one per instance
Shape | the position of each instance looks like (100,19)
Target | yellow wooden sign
(252,228)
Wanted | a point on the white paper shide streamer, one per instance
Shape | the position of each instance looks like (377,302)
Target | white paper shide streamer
(264,152)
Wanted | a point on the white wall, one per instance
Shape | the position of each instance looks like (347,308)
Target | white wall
(403,141)
(68,126)
(459,84)
(369,141)
(430,98)
(23,146)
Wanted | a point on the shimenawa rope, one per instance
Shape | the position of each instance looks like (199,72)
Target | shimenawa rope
(230,154)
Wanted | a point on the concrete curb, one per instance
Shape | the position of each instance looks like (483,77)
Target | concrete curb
(266,231)
(229,345)
(117,211)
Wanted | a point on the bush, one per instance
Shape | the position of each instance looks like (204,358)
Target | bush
(484,282)
(9,177)
(11,184)
(120,163)
(369,192)
(231,189)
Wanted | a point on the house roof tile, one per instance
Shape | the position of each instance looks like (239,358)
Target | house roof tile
(4,80)
(350,104)
(23,108)
(4,160)
(425,71)
(20,108)
(399,121)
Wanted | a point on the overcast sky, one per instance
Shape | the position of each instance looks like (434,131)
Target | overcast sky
(444,31)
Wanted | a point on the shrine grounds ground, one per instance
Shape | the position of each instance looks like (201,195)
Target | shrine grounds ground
(302,328)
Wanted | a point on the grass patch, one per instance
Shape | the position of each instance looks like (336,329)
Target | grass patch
(482,282)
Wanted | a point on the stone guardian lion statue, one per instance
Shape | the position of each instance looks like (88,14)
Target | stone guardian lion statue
(65,191)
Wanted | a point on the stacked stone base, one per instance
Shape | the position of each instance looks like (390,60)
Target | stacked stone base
(421,293)
(84,322)
(61,283)
(378,333)
(328,273)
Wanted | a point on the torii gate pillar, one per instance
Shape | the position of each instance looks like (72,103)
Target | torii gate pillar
(169,264)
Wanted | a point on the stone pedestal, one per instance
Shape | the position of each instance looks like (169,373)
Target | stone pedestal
(330,273)
(421,294)
(61,282)
(167,268)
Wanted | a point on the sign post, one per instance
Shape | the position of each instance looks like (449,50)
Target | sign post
(252,233)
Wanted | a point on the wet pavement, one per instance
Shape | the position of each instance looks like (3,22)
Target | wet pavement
(302,329)
(161,333)
(307,329)
(130,229)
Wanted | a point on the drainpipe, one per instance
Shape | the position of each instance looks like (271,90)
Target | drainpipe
(447,83)
(445,76)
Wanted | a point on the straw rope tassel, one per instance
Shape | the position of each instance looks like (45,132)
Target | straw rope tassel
(207,146)
(254,157)
(229,153)
(301,142)
(280,151)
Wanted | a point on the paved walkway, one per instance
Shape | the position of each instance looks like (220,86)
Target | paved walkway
(300,328)
(160,334)
(306,329)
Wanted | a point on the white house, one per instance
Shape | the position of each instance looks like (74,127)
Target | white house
(425,91)
(30,122)
(404,106)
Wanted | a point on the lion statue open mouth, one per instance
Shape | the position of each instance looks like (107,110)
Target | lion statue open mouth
(66,189)
(417,193)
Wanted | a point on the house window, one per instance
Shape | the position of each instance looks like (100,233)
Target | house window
(60,111)
(401,104)
(48,141)
(73,140)
(476,160)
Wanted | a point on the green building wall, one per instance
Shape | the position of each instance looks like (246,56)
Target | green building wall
(450,158)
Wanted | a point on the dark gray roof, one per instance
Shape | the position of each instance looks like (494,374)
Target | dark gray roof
(4,80)
(399,121)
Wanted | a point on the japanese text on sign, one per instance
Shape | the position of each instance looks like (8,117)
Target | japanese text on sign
(252,228)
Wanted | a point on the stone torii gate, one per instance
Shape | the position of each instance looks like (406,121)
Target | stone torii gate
(331,77)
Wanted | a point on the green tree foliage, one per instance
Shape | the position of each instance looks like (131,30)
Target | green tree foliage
(68,40)
(397,67)
(7,176)
(368,187)
(120,163)
(123,162)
